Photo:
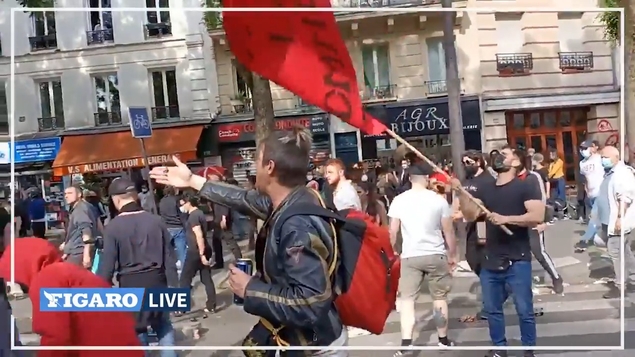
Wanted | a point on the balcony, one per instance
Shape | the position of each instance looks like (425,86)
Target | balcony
(437,87)
(44,42)
(166,113)
(572,62)
(158,30)
(107,118)
(380,93)
(241,104)
(514,64)
(304,106)
(99,36)
(50,123)
(381,3)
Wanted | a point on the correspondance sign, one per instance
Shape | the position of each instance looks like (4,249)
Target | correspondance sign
(426,118)
(246,130)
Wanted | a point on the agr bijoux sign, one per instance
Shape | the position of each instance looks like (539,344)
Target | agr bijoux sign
(419,120)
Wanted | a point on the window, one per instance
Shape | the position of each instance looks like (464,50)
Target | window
(107,93)
(155,13)
(436,59)
(376,61)
(100,20)
(43,23)
(509,34)
(51,99)
(570,32)
(165,98)
(4,109)
(51,104)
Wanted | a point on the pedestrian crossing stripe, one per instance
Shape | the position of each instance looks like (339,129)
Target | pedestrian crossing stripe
(579,318)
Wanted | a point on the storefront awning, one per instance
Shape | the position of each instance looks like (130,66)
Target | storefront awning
(120,151)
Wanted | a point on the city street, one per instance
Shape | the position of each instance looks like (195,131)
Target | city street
(580,317)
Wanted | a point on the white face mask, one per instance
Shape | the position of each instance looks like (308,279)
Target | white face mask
(183,209)
(405,166)
(585,153)
(144,190)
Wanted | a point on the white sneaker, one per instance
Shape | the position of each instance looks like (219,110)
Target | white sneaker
(356,332)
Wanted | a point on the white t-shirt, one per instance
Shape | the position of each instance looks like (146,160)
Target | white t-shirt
(346,197)
(420,213)
(593,172)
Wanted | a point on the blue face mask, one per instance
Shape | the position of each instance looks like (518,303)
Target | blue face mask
(607,164)
(585,153)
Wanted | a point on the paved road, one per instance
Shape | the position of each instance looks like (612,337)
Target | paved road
(580,317)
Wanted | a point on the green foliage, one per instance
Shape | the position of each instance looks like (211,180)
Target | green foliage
(36,3)
(213,20)
(611,21)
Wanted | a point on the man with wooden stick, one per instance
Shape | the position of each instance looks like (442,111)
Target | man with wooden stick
(506,264)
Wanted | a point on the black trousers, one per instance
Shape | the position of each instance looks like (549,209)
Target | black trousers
(39,229)
(194,265)
(539,250)
(218,236)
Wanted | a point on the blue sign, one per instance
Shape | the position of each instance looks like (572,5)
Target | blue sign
(36,150)
(140,124)
(115,299)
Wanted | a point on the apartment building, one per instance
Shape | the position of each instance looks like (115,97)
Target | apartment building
(511,65)
(78,72)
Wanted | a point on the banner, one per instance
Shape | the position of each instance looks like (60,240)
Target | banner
(302,52)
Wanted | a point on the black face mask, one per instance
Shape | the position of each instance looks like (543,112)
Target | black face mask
(498,163)
(470,171)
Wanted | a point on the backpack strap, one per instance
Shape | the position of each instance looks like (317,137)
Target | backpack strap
(311,209)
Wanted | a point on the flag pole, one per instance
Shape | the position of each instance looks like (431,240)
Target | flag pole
(438,169)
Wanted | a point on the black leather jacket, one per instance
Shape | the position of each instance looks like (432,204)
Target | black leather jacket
(293,289)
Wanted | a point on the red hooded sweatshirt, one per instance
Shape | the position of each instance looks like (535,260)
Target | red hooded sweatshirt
(38,265)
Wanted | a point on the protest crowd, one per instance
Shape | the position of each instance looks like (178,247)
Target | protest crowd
(337,248)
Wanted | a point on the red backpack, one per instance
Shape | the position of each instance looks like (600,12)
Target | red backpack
(365,269)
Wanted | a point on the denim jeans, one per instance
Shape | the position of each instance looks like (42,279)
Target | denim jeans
(592,229)
(165,333)
(517,278)
(241,228)
(180,243)
(558,189)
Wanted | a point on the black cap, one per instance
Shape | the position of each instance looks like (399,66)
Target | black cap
(420,169)
(121,186)
(589,143)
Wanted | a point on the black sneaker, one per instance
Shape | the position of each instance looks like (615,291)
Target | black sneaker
(558,286)
(495,353)
(529,354)
(581,246)
(613,293)
(449,344)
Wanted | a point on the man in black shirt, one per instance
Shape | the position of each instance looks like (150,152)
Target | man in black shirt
(477,178)
(199,252)
(506,264)
(137,245)
(174,219)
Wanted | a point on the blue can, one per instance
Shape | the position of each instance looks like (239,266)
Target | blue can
(247,266)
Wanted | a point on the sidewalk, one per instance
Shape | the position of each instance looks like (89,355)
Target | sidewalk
(186,330)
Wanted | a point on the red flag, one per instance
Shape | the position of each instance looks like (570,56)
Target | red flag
(302,52)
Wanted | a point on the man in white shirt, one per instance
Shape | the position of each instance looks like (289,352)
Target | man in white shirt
(616,213)
(344,193)
(593,172)
(344,197)
(425,220)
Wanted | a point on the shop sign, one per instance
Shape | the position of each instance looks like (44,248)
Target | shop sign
(430,118)
(246,131)
(36,150)
(117,165)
